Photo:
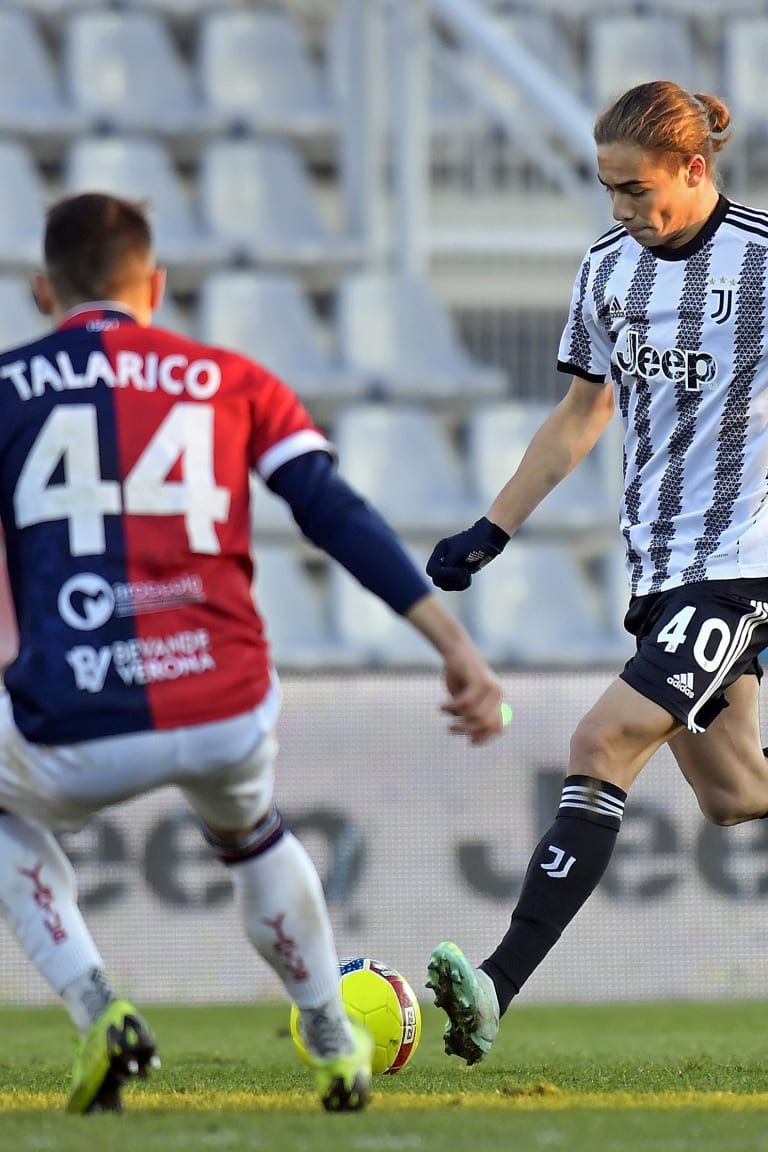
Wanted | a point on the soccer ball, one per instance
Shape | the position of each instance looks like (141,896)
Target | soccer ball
(382,1000)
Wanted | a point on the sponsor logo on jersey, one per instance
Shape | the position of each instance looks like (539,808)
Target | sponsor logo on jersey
(683,681)
(145,660)
(616,313)
(139,597)
(174,374)
(692,367)
(86,601)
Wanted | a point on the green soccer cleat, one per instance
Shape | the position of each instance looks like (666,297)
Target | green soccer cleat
(119,1045)
(468,998)
(344,1082)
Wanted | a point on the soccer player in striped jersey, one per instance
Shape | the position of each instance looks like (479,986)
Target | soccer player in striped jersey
(126,453)
(667,328)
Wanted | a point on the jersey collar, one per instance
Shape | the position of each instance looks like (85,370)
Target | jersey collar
(702,237)
(95,312)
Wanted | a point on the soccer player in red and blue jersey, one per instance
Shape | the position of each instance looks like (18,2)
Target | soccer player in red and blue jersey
(126,453)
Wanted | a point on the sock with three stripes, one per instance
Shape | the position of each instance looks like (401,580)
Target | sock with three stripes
(564,870)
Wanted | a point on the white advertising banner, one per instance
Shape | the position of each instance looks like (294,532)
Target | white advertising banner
(420,837)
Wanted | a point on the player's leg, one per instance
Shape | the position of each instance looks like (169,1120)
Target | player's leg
(38,900)
(283,909)
(725,765)
(42,787)
(608,749)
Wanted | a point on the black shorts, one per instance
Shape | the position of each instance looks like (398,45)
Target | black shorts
(693,641)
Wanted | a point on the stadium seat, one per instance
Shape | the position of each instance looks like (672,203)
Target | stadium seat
(20,320)
(268,317)
(124,69)
(497,437)
(32,103)
(745,43)
(271,518)
(536,605)
(624,50)
(254,68)
(295,611)
(141,168)
(398,456)
(372,632)
(258,195)
(393,329)
(23,201)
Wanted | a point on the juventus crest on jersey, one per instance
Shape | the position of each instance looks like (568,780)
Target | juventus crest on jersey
(682,334)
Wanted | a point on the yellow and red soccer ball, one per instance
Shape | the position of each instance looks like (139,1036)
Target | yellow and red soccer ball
(382,1000)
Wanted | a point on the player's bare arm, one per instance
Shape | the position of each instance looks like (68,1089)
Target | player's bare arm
(572,428)
(570,431)
(475,693)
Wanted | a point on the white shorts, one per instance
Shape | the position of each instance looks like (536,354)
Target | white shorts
(224,769)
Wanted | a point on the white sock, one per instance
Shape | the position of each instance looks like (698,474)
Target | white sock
(38,899)
(327,1031)
(87,997)
(285,916)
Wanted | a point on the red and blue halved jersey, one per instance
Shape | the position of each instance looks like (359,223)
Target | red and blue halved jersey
(125,457)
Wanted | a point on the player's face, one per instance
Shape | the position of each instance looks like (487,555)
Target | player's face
(655,205)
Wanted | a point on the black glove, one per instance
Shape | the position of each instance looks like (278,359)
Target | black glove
(455,559)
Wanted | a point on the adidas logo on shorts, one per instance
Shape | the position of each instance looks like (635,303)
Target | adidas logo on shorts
(683,681)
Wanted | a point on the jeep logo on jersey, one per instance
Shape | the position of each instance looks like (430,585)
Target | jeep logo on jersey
(86,601)
(690,367)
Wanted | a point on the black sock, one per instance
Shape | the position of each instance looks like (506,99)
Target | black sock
(564,870)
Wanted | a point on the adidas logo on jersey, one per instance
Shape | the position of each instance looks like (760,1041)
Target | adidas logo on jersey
(683,681)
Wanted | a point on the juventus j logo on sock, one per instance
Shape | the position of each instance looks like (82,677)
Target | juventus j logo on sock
(555,868)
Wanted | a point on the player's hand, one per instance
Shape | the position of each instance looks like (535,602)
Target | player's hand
(455,559)
(475,697)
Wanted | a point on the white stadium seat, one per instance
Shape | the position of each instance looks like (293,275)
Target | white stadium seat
(536,605)
(392,328)
(124,68)
(32,103)
(20,320)
(255,69)
(371,631)
(745,43)
(268,317)
(398,456)
(497,437)
(258,195)
(23,202)
(295,610)
(141,168)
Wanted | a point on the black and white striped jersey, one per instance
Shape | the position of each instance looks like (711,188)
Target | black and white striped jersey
(683,335)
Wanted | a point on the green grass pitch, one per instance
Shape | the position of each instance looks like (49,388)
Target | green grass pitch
(619,1078)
